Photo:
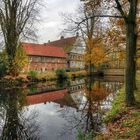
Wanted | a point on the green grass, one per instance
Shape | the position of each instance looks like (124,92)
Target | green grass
(82,136)
(122,122)
(118,106)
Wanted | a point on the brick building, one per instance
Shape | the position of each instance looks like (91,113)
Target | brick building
(74,49)
(43,57)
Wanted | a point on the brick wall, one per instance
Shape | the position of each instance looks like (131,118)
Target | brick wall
(46,66)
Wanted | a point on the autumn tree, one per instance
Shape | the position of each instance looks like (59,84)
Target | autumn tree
(131,38)
(16,19)
(115,43)
(98,55)
(127,10)
(88,28)
(21,59)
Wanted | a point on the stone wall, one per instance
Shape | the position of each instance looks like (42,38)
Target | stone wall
(114,72)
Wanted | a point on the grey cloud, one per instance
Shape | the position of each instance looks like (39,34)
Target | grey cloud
(48,28)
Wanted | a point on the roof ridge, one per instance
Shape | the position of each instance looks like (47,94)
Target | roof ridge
(62,39)
(31,43)
(41,45)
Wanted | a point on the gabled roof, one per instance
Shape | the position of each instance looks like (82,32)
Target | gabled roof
(43,50)
(65,43)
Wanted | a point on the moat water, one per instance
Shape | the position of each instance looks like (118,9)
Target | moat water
(57,110)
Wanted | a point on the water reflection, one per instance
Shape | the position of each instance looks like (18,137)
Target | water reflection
(14,125)
(95,97)
(36,112)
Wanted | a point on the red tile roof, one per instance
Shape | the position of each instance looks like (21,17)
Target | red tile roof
(46,97)
(65,43)
(60,97)
(43,50)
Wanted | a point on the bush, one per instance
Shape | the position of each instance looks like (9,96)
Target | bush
(82,136)
(61,74)
(3,70)
(32,75)
(61,83)
(3,64)
(67,70)
(47,76)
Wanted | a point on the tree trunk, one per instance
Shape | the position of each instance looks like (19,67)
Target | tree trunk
(11,51)
(131,38)
(130,63)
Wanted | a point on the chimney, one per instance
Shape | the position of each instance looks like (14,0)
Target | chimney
(62,37)
(49,41)
(77,34)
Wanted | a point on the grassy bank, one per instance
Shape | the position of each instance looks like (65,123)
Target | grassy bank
(123,123)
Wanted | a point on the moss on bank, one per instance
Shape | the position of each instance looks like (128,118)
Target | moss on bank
(123,123)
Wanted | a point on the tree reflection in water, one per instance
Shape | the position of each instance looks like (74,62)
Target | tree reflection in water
(91,109)
(14,126)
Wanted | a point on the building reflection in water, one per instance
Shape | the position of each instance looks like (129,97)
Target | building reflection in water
(83,103)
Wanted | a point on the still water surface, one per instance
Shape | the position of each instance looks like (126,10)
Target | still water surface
(56,110)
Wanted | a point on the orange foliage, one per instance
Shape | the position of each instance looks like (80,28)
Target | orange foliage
(98,56)
(120,22)
(97,94)
(95,52)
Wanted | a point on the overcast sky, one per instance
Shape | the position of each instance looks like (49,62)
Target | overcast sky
(50,26)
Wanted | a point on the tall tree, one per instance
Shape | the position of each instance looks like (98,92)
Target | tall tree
(128,11)
(129,16)
(15,16)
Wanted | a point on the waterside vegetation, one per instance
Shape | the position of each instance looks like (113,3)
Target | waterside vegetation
(122,122)
(34,76)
